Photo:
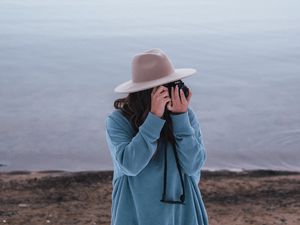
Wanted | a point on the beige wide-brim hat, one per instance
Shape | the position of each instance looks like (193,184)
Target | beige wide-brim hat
(150,69)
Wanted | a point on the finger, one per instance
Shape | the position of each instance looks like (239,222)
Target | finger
(189,96)
(160,89)
(164,94)
(183,99)
(166,100)
(153,91)
(176,96)
(170,106)
(172,94)
(162,97)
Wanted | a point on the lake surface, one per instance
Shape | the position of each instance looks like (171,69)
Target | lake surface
(60,60)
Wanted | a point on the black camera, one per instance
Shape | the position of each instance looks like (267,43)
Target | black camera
(180,84)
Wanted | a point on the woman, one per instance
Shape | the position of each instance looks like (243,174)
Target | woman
(156,146)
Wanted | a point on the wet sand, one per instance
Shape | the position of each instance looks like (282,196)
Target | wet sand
(62,198)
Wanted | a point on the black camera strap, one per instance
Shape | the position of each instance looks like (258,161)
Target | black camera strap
(182,196)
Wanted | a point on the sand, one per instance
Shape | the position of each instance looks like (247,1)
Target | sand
(60,197)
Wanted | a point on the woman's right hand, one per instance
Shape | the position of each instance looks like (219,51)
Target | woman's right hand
(159,98)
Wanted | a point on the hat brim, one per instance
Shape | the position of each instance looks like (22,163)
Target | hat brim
(130,86)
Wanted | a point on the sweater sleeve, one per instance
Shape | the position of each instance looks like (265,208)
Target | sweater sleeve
(189,143)
(132,154)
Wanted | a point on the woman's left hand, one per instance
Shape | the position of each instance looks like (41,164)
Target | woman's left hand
(179,104)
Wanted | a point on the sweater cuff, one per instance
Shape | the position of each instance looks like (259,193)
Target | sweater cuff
(181,123)
(152,125)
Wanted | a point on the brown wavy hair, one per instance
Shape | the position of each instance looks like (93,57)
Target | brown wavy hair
(136,106)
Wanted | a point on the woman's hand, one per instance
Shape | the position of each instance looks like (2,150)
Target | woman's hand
(179,105)
(159,98)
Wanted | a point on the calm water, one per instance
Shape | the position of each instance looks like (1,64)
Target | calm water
(60,60)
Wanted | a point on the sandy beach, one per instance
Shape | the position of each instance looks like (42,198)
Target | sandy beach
(61,198)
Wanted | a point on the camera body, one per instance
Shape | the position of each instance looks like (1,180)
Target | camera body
(180,84)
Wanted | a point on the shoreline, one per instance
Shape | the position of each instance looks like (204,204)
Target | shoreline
(107,174)
(209,171)
(84,197)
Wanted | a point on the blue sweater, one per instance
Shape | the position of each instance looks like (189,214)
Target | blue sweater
(138,180)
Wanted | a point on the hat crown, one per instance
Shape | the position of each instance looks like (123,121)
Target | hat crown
(151,65)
